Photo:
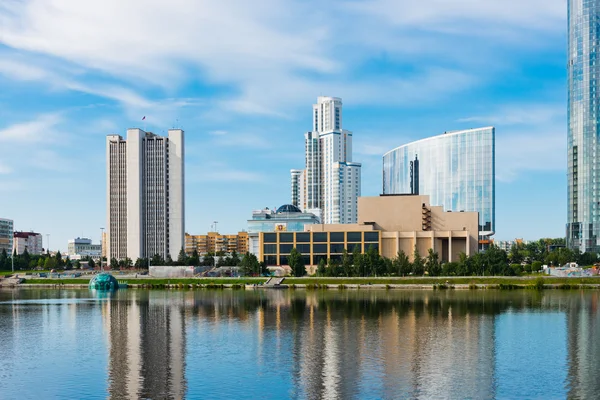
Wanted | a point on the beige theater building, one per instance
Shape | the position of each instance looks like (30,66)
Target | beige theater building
(388,223)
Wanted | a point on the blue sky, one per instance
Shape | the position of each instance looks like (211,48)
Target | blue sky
(240,77)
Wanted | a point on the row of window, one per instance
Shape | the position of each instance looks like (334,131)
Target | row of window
(307,237)
(333,248)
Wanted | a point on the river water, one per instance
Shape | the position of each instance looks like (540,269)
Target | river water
(362,344)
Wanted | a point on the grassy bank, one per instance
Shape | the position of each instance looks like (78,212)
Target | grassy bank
(494,282)
(152,281)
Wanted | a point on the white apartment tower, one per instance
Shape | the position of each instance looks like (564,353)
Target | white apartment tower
(330,183)
(145,194)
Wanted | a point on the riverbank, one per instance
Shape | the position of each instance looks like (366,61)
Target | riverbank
(310,283)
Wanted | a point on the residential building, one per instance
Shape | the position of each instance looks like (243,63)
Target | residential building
(30,241)
(6,235)
(297,187)
(83,247)
(455,169)
(214,242)
(145,194)
(388,224)
(583,126)
(331,181)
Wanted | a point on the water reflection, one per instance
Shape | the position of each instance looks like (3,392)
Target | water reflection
(146,340)
(315,344)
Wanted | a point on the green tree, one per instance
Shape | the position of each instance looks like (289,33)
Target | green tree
(296,264)
(41,262)
(169,260)
(91,263)
(432,263)
(418,267)
(114,263)
(194,259)
(208,259)
(235,259)
(182,258)
(250,265)
(59,260)
(264,270)
(157,260)
(401,264)
(347,269)
(68,263)
(321,269)
(77,264)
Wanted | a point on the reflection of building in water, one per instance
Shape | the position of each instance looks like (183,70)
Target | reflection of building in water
(425,346)
(146,339)
(583,324)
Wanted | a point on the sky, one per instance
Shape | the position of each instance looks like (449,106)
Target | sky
(240,78)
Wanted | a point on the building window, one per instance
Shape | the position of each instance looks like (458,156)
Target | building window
(270,237)
(320,237)
(336,248)
(303,237)
(286,237)
(336,236)
(352,246)
(285,248)
(319,248)
(269,248)
(371,236)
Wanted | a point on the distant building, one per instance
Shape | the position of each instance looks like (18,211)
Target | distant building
(388,224)
(83,247)
(6,235)
(145,194)
(27,240)
(456,169)
(214,242)
(287,218)
(506,245)
(330,182)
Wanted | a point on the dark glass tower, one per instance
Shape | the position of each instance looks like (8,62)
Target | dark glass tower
(583,159)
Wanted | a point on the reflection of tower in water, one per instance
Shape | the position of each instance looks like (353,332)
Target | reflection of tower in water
(146,337)
(583,324)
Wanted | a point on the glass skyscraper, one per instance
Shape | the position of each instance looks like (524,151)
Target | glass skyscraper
(583,157)
(456,169)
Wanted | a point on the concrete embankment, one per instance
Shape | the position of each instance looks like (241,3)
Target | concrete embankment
(406,286)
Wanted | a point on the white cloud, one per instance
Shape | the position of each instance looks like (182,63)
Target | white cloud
(41,129)
(217,133)
(526,114)
(272,54)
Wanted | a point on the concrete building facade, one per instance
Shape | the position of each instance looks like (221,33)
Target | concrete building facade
(83,247)
(214,242)
(27,240)
(145,194)
(6,235)
(331,181)
(388,224)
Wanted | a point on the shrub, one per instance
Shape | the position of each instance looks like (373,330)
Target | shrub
(539,284)
(536,266)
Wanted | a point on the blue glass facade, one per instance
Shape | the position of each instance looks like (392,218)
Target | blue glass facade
(456,169)
(583,162)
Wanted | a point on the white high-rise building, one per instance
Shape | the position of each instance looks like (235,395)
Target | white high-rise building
(145,194)
(330,183)
(30,241)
